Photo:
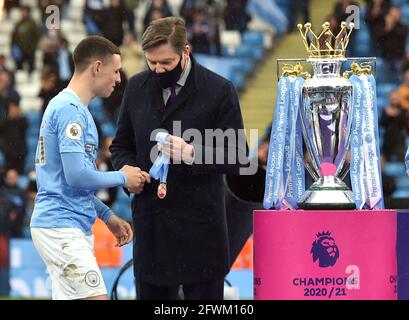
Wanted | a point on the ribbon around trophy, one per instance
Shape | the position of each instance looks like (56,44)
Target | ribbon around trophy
(285,180)
(160,167)
(365,168)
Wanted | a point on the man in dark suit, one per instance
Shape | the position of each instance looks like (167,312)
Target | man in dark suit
(181,239)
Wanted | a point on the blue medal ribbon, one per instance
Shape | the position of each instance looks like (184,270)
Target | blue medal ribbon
(160,167)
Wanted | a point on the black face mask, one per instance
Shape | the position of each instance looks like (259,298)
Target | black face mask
(169,78)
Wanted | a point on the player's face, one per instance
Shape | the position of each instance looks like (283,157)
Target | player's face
(107,76)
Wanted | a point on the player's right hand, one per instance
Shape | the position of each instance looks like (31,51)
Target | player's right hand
(135,178)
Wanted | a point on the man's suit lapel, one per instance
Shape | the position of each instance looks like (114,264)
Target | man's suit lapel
(156,93)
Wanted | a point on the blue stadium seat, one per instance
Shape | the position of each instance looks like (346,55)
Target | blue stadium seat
(405,14)
(243,51)
(22,182)
(108,129)
(123,210)
(284,5)
(363,36)
(2,159)
(383,89)
(96,107)
(401,193)
(395,169)
(402,182)
(96,103)
(238,80)
(270,13)
(27,233)
(253,38)
(398,2)
(362,11)
(31,143)
(213,62)
(221,66)
(33,117)
(362,49)
(382,102)
(33,131)
(29,162)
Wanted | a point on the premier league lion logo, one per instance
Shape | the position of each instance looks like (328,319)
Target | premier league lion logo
(74,131)
(325,250)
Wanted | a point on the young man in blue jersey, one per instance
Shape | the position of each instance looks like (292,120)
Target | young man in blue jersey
(66,206)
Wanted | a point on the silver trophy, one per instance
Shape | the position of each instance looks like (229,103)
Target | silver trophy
(326,120)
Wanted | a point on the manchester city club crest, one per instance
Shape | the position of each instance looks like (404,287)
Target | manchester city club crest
(92,278)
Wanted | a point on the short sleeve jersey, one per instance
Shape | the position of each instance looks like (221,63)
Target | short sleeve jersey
(67,126)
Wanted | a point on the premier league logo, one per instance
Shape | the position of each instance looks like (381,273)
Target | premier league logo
(73,131)
(325,250)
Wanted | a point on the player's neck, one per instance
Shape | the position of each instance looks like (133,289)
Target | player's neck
(80,85)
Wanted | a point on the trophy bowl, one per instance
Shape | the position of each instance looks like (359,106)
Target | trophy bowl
(326,126)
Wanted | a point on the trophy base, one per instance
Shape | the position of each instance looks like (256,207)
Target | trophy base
(328,193)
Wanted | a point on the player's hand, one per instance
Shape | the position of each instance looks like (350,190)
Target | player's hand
(138,190)
(135,178)
(121,229)
(178,149)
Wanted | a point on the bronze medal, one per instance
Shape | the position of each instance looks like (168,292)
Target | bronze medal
(162,189)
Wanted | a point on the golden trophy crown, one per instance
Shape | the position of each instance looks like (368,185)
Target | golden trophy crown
(326,45)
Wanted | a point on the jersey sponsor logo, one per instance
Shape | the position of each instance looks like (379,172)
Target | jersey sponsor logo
(92,278)
(73,131)
(91,148)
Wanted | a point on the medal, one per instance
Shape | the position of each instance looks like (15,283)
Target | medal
(162,189)
(160,167)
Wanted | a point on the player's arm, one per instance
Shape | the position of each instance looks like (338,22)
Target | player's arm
(119,227)
(103,211)
(70,127)
(78,175)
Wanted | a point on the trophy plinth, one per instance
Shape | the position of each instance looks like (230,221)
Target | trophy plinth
(328,193)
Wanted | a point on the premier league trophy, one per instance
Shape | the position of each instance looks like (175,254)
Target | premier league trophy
(326,120)
(326,123)
(336,116)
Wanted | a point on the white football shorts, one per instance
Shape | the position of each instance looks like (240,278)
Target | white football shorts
(69,256)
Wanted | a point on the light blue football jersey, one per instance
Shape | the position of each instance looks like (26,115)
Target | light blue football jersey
(67,126)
